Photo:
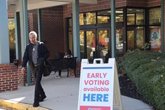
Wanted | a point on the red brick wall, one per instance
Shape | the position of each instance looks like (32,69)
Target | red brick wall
(30,22)
(136,3)
(8,77)
(33,21)
(52,29)
(153,3)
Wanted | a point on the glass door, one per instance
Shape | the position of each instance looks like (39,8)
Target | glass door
(103,43)
(82,44)
(135,38)
(90,43)
(87,43)
(130,39)
(140,37)
(119,41)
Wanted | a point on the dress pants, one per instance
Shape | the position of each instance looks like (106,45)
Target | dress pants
(39,92)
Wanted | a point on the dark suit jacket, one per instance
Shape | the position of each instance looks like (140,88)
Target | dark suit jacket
(43,54)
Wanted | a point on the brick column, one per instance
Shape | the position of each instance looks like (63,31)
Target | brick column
(21,77)
(8,77)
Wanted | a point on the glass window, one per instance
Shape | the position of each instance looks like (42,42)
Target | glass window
(82,51)
(70,35)
(11,27)
(119,15)
(90,18)
(140,37)
(103,38)
(135,16)
(90,43)
(103,41)
(154,16)
(103,17)
(130,39)
(155,38)
(130,19)
(70,23)
(81,19)
(119,40)
(140,19)
(81,37)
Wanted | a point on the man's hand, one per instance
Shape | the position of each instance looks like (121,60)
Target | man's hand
(23,70)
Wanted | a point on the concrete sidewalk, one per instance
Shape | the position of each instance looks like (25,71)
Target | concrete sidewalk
(62,94)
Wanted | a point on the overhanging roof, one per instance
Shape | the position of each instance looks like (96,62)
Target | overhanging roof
(14,5)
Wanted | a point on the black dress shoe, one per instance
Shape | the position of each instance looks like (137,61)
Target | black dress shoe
(42,98)
(35,104)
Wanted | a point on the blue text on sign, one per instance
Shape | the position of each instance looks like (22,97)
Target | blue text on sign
(95,97)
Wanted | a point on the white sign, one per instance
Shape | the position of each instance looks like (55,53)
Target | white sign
(96,88)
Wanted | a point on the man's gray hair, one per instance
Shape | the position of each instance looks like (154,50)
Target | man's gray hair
(33,33)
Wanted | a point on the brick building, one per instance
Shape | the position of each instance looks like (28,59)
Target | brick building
(138,24)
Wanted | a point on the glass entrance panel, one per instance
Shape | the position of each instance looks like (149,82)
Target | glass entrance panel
(103,17)
(90,18)
(82,47)
(119,40)
(87,43)
(90,43)
(155,16)
(130,19)
(81,19)
(130,39)
(103,42)
(140,37)
(11,27)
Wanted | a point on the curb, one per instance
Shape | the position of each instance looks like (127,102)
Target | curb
(19,106)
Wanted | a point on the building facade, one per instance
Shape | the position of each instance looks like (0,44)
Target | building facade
(138,26)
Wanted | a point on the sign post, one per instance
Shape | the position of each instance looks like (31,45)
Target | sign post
(99,86)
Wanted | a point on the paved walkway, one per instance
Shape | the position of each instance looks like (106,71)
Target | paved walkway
(62,94)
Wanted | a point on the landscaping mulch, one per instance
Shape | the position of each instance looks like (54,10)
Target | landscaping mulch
(128,88)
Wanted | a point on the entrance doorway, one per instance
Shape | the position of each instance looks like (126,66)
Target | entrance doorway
(135,38)
(120,41)
(103,43)
(87,42)
(94,43)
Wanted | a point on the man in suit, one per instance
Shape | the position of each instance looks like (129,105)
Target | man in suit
(36,53)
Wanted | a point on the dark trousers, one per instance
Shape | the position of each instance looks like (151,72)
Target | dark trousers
(39,92)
